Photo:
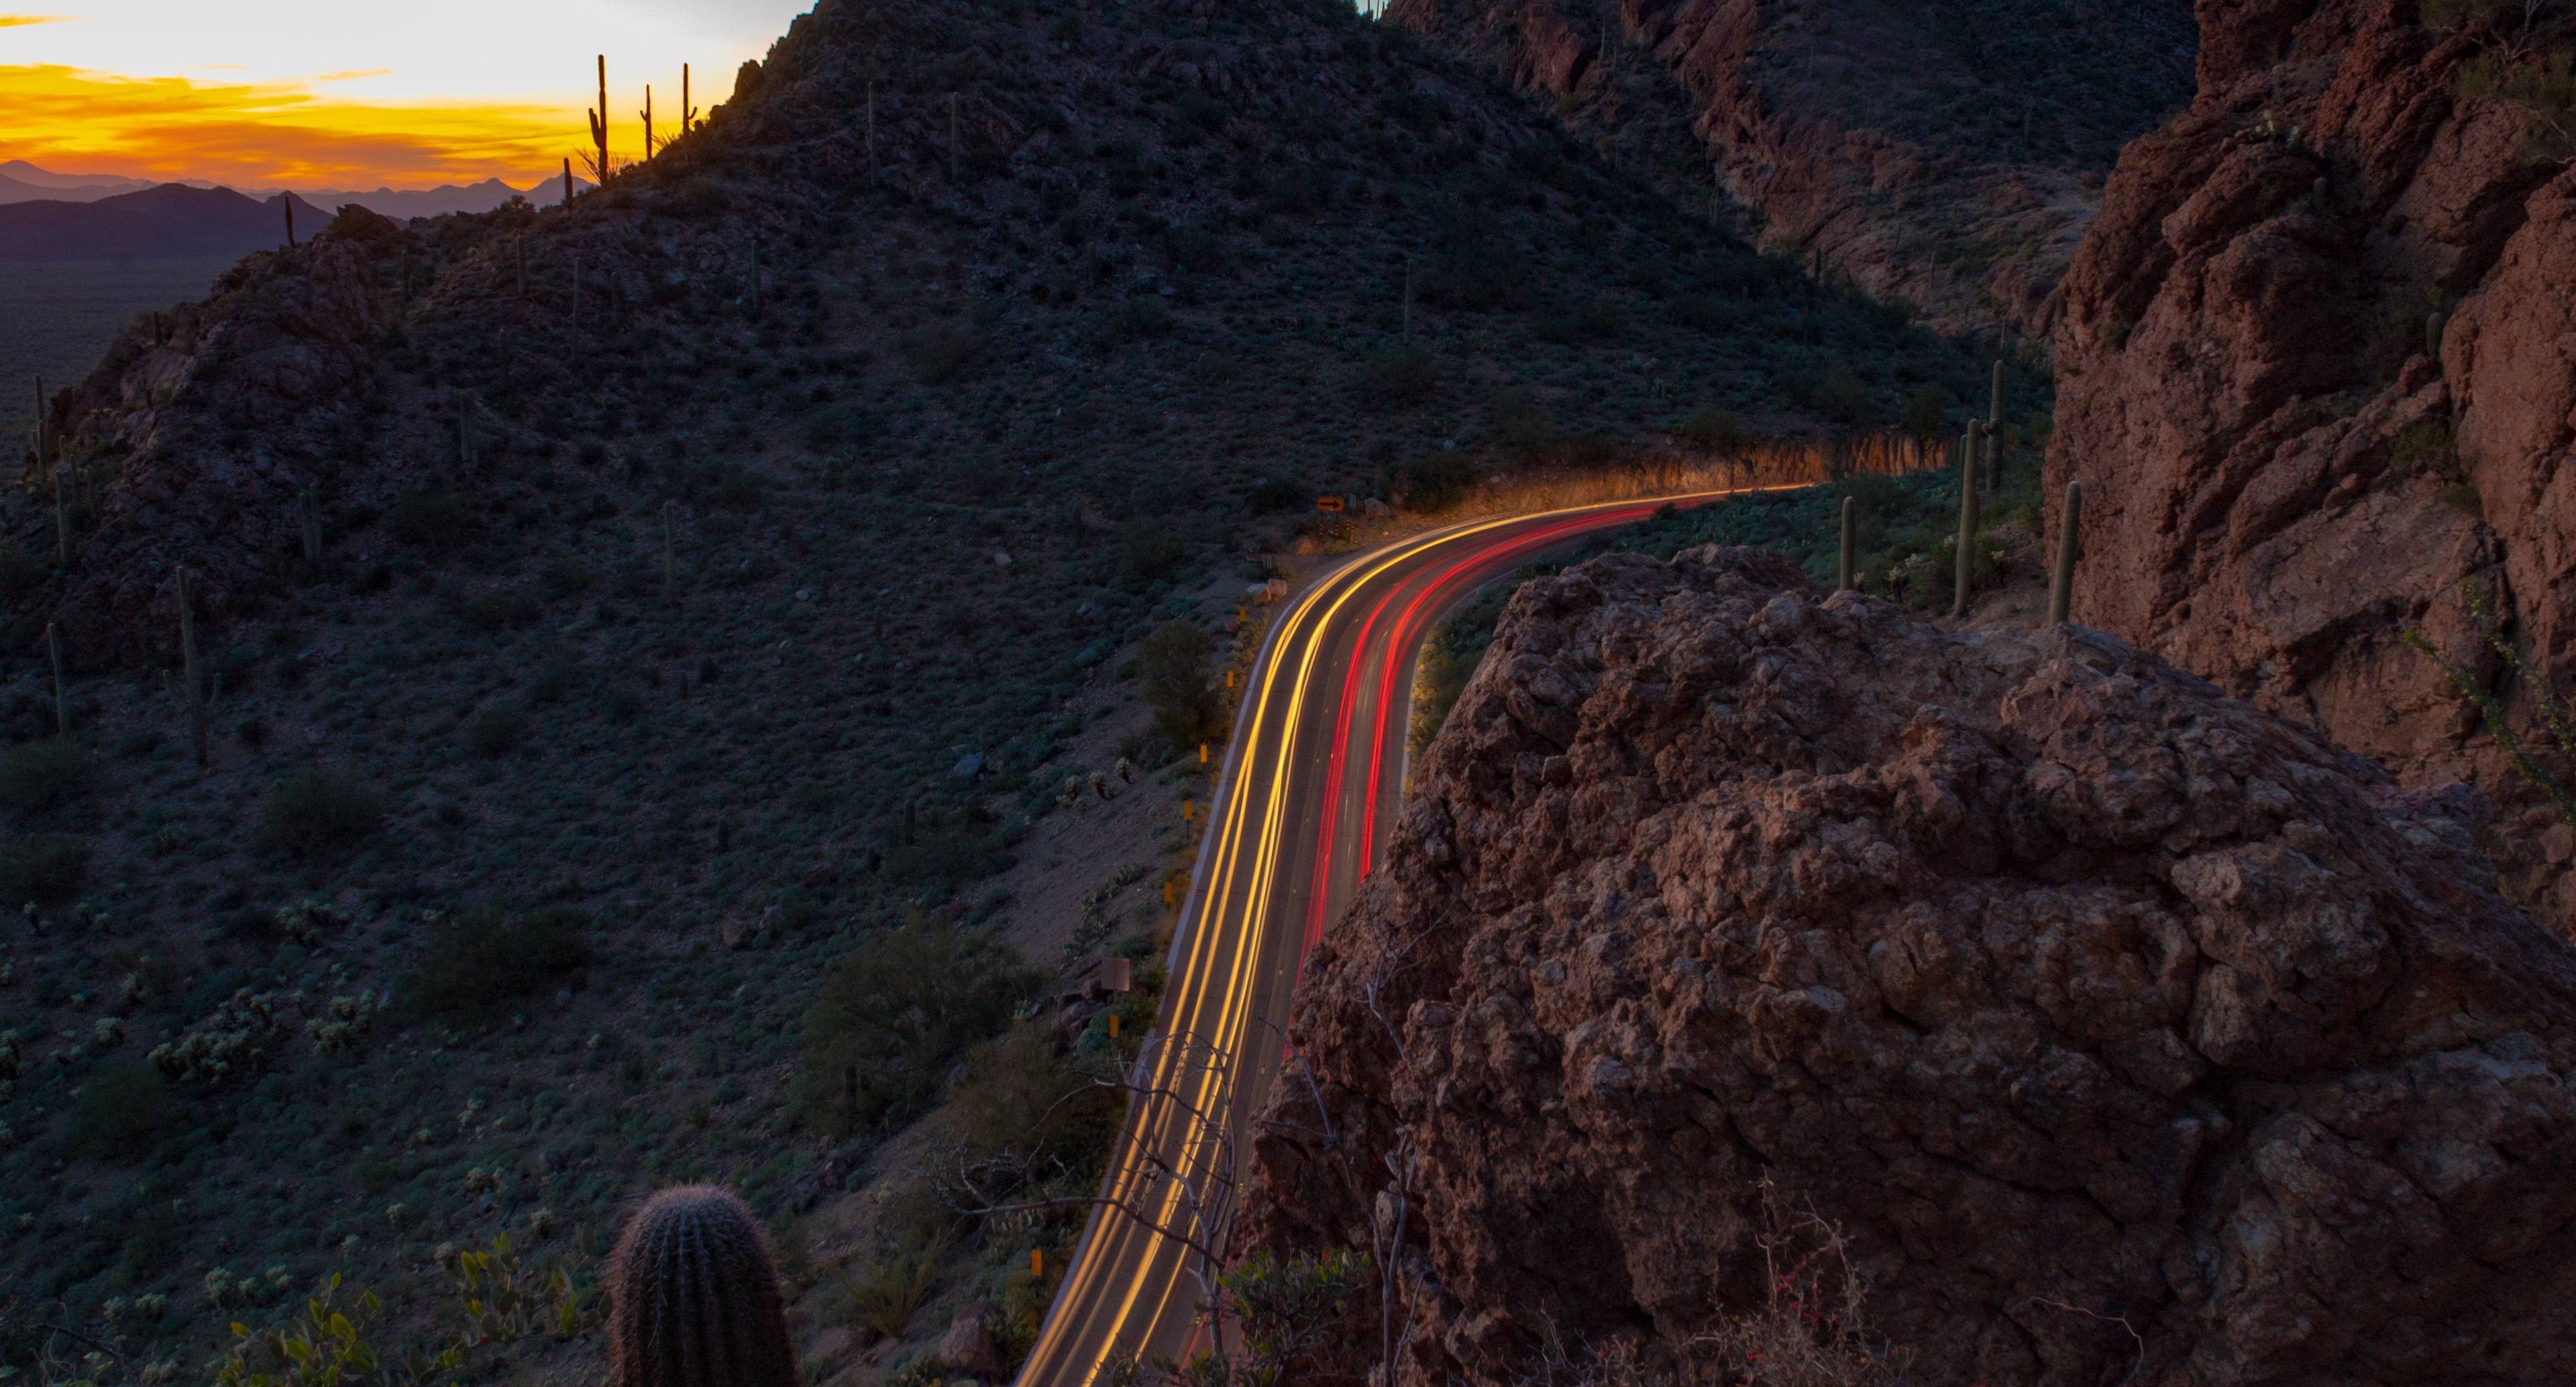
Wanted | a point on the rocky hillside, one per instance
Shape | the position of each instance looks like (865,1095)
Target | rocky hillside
(2315,375)
(2100,1027)
(1946,156)
(610,621)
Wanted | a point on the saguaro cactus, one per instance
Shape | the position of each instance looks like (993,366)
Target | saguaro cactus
(599,124)
(693,1297)
(2061,584)
(1967,520)
(1843,568)
(567,180)
(1994,432)
(62,708)
(287,198)
(688,113)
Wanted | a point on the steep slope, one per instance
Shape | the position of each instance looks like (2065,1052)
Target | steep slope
(709,576)
(2125,1033)
(2316,377)
(1946,156)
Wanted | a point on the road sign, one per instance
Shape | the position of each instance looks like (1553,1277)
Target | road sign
(1328,503)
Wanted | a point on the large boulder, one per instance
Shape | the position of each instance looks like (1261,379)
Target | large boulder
(2130,1033)
(2317,373)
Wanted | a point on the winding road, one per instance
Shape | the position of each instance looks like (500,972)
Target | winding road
(1311,786)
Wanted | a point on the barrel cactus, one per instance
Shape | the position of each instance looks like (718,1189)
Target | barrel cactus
(693,1297)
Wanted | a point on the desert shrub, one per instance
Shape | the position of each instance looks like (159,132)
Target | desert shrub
(1021,1103)
(42,868)
(1176,662)
(887,1294)
(496,731)
(941,352)
(895,1013)
(2427,446)
(1140,317)
(1830,389)
(22,571)
(318,812)
(478,958)
(1581,323)
(1434,484)
(1713,429)
(1927,414)
(41,777)
(1151,551)
(1396,375)
(434,519)
(1276,493)
(121,1107)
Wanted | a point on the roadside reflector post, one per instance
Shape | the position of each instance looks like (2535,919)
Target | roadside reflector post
(1185,811)
(1202,753)
(1037,1264)
(1122,975)
(1229,679)
(1113,1025)
(1169,890)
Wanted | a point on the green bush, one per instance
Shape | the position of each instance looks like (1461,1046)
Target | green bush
(121,1107)
(43,868)
(40,777)
(1176,662)
(476,959)
(942,352)
(496,731)
(432,519)
(892,1016)
(1022,1102)
(318,813)
(1713,429)
(1397,375)
(1438,482)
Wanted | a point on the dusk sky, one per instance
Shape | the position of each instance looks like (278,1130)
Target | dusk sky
(270,93)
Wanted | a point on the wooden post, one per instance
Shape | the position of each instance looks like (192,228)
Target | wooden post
(1843,569)
(2061,584)
(1967,519)
(62,710)
(188,672)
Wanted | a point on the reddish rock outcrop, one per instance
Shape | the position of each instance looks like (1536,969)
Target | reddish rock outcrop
(1944,156)
(2131,1034)
(2318,371)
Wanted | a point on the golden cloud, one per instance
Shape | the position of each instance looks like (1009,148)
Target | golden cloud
(270,134)
(14,21)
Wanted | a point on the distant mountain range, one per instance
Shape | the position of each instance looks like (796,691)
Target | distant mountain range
(47,216)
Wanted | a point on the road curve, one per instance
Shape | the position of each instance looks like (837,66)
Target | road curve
(1311,784)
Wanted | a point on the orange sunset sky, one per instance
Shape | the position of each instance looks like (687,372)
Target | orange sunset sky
(353,94)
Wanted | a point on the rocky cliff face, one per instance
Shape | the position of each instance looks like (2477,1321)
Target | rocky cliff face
(1947,156)
(2130,1033)
(2318,370)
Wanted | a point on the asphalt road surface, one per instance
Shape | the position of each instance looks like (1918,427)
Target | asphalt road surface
(1310,789)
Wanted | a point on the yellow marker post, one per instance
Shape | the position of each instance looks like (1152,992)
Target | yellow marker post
(1037,1264)
(1113,1025)
(1185,811)
(1168,884)
(1229,679)
(1202,753)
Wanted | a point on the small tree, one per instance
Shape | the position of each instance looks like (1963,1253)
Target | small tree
(1175,662)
